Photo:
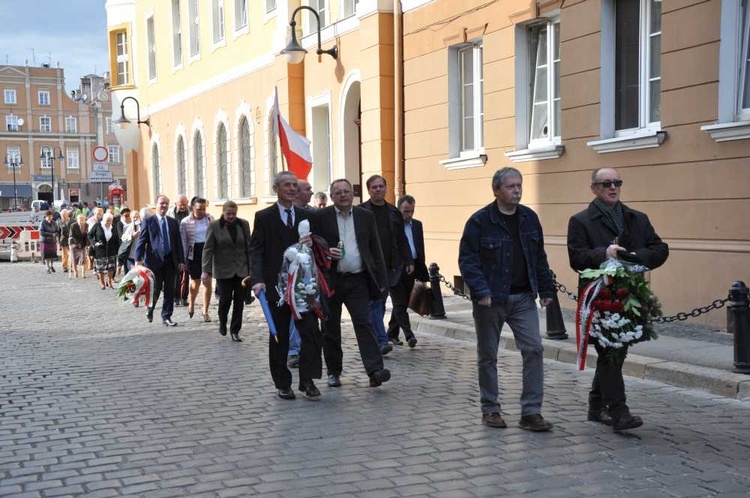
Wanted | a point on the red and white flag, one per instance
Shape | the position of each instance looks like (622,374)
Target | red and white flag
(295,147)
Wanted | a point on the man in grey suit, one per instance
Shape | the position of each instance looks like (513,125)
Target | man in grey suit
(226,256)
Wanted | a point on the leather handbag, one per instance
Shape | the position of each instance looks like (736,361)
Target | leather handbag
(421,298)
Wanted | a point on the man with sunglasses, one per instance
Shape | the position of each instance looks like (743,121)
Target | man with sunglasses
(606,229)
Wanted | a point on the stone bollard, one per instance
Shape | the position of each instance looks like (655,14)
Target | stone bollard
(738,324)
(438,309)
(555,324)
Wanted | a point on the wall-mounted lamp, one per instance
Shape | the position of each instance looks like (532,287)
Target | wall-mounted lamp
(294,52)
(124,122)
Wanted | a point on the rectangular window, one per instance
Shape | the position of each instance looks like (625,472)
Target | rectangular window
(321,147)
(270,5)
(176,33)
(217,10)
(349,8)
(71,155)
(744,83)
(637,63)
(43,97)
(108,124)
(471,106)
(121,57)
(151,48)
(240,14)
(45,124)
(9,96)
(45,161)
(195,32)
(11,122)
(14,158)
(544,86)
(114,154)
(71,125)
(320,6)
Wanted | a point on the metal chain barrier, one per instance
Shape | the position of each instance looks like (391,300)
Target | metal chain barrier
(452,288)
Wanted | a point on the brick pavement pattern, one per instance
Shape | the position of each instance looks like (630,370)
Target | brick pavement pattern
(96,402)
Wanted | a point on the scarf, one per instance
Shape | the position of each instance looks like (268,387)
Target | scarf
(613,217)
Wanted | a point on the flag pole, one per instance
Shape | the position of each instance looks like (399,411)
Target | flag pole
(278,128)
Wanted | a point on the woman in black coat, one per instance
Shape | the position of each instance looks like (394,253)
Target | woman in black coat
(106,244)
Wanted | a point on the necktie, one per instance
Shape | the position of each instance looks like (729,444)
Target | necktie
(164,237)
(289,221)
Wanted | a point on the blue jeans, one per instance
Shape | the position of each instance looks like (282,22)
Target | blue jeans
(294,339)
(377,315)
(522,317)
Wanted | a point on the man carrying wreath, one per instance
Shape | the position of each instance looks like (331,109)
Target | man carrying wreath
(608,229)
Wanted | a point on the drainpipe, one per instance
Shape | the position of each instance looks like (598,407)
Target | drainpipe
(398,94)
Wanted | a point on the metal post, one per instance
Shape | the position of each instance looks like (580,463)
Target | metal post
(555,325)
(438,309)
(738,324)
(15,189)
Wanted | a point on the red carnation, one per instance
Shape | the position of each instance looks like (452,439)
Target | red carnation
(622,293)
(616,307)
(605,294)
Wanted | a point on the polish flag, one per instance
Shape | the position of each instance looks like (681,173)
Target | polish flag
(295,147)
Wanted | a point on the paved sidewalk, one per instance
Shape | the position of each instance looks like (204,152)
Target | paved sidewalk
(683,355)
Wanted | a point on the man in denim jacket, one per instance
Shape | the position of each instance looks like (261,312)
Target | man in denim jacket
(502,261)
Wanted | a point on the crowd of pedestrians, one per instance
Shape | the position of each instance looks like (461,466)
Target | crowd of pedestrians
(373,251)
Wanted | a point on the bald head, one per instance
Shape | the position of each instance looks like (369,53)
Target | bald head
(182,203)
(304,193)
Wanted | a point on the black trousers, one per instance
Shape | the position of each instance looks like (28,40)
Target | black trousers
(608,387)
(162,276)
(351,290)
(310,363)
(232,295)
(400,294)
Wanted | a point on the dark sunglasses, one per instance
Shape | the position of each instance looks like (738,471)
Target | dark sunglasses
(616,183)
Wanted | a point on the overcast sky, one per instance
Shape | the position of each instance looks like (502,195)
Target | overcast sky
(71,32)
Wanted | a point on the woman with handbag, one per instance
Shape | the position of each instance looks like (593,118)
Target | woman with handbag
(106,243)
(79,242)
(193,233)
(48,231)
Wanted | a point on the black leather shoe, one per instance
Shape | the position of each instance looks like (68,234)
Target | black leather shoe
(494,420)
(334,380)
(309,390)
(236,337)
(385,349)
(395,341)
(379,376)
(184,303)
(223,328)
(627,422)
(601,416)
(286,393)
(534,423)
(169,323)
(177,303)
(412,342)
(150,316)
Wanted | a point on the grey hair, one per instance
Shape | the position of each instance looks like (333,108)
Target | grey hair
(321,196)
(501,174)
(595,174)
(405,198)
(278,177)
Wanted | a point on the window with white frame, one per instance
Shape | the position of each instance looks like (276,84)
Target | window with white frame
(45,124)
(122,58)
(71,155)
(199,165)
(321,146)
(320,7)
(466,100)
(44,97)
(195,28)
(114,153)
(71,124)
(544,57)
(156,170)
(176,33)
(270,5)
(108,124)
(181,165)
(46,159)
(349,8)
(151,48)
(222,162)
(217,11)
(246,159)
(9,96)
(240,14)
(743,100)
(13,157)
(11,122)
(637,64)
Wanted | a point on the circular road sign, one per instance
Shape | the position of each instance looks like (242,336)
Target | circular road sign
(101,154)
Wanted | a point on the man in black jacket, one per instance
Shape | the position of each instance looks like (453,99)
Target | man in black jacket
(601,231)
(396,252)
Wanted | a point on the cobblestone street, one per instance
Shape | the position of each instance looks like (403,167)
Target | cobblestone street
(95,401)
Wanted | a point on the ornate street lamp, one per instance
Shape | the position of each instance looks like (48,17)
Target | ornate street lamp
(49,155)
(14,161)
(294,52)
(124,122)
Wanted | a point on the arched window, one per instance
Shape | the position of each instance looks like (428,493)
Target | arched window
(200,167)
(181,167)
(156,168)
(246,173)
(222,161)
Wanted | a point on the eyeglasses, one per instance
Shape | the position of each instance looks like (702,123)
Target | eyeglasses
(608,184)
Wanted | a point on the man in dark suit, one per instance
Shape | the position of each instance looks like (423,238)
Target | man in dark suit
(401,292)
(274,231)
(358,276)
(159,248)
(226,256)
